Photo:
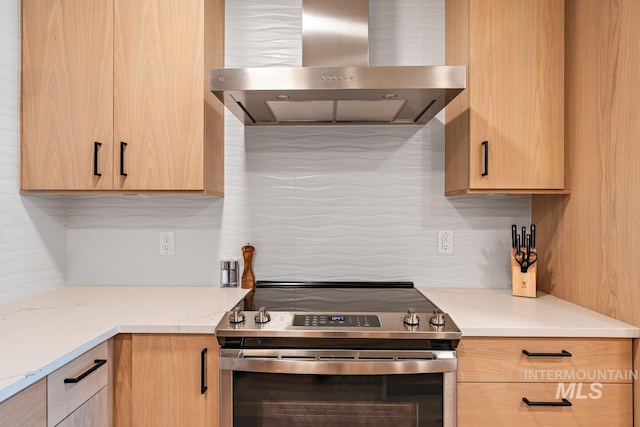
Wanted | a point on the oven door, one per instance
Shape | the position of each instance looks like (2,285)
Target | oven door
(313,388)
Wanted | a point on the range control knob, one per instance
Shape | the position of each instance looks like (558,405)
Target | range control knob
(411,318)
(437,318)
(262,316)
(236,316)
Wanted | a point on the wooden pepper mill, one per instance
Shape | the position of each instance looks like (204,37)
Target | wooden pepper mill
(248,279)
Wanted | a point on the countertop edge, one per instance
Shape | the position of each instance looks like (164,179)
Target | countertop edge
(490,312)
(29,378)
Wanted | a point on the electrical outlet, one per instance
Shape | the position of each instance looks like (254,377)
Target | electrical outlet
(167,243)
(445,242)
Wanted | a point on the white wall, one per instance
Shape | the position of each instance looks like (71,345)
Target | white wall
(32,229)
(359,202)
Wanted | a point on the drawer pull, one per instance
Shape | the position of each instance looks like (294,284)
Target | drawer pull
(98,363)
(123,145)
(203,371)
(563,353)
(485,145)
(564,402)
(96,148)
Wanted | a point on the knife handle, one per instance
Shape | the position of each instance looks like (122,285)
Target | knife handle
(514,233)
(533,235)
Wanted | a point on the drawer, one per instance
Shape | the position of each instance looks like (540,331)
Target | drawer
(64,398)
(494,404)
(93,413)
(27,408)
(502,360)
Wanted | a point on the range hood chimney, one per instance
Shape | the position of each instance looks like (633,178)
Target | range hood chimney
(336,84)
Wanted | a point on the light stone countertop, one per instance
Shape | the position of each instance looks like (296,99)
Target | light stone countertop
(43,332)
(494,312)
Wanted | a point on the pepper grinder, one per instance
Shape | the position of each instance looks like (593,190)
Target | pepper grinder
(248,279)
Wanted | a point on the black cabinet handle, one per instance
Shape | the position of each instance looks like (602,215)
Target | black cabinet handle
(563,353)
(203,371)
(96,148)
(123,145)
(564,402)
(97,364)
(485,144)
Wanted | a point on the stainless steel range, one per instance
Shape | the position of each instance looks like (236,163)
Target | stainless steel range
(343,354)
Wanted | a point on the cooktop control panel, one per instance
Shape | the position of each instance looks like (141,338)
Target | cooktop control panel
(348,320)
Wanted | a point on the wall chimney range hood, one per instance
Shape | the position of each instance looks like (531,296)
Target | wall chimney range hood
(335,84)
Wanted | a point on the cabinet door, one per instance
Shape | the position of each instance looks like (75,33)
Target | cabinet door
(67,95)
(158,94)
(516,91)
(166,384)
(93,413)
(27,408)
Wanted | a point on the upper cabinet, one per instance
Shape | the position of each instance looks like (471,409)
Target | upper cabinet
(115,96)
(67,95)
(505,132)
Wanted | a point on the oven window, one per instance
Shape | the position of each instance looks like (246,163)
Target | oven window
(285,400)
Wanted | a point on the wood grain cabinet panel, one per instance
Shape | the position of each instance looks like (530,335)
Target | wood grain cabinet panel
(505,132)
(131,75)
(27,408)
(501,405)
(64,398)
(158,380)
(67,94)
(503,360)
(93,413)
(495,376)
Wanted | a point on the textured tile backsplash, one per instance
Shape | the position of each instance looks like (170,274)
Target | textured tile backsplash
(32,229)
(361,202)
(351,202)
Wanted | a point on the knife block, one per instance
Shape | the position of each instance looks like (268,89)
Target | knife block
(523,284)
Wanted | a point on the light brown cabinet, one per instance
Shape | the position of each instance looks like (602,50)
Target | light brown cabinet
(115,96)
(27,408)
(74,395)
(94,412)
(593,376)
(77,393)
(505,132)
(166,380)
(67,94)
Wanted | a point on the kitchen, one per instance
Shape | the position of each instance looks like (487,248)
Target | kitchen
(348,203)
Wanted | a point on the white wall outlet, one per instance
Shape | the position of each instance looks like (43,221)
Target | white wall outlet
(167,243)
(445,242)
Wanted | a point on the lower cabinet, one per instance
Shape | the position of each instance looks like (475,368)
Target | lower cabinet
(27,408)
(74,395)
(165,380)
(94,412)
(77,392)
(501,404)
(545,381)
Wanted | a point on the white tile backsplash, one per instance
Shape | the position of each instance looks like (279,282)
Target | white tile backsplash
(33,236)
(351,202)
(358,202)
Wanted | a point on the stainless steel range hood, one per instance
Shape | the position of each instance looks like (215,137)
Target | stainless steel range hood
(335,84)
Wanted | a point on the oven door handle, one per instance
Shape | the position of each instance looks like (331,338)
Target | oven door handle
(336,365)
